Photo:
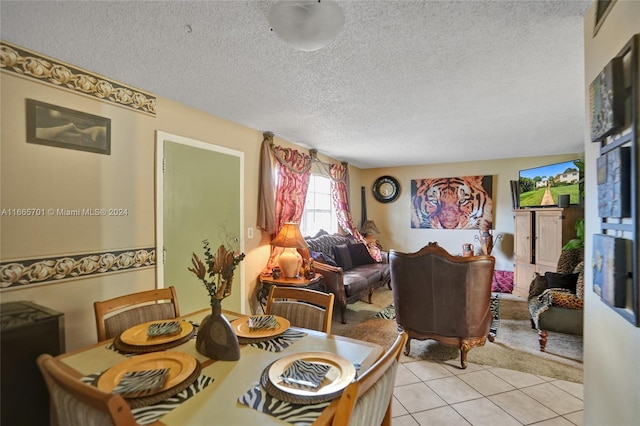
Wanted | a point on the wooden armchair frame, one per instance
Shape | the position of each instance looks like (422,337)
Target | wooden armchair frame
(104,308)
(304,296)
(81,400)
(363,384)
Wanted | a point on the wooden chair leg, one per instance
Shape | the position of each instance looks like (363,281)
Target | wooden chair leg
(542,339)
(463,356)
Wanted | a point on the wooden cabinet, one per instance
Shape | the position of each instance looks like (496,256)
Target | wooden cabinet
(539,235)
(27,330)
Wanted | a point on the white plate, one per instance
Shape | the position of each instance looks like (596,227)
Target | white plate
(342,372)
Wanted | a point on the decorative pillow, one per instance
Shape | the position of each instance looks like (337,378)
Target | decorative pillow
(342,256)
(360,254)
(318,256)
(502,282)
(538,285)
(567,281)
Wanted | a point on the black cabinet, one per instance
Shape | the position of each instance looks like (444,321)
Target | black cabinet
(26,331)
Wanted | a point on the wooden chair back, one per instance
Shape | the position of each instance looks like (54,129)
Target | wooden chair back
(302,307)
(74,403)
(115,315)
(367,400)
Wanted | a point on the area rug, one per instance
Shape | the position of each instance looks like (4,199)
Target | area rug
(515,346)
(389,313)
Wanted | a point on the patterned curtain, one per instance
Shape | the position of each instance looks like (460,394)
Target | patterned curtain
(293,173)
(340,197)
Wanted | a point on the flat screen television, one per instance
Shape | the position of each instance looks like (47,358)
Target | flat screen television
(541,186)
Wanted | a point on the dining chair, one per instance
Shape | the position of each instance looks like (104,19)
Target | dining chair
(367,400)
(302,307)
(74,403)
(115,315)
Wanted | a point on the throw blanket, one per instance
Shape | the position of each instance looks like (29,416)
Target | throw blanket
(559,297)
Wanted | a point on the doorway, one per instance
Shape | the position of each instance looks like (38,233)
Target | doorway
(199,195)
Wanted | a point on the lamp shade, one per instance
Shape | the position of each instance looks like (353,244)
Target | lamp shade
(289,237)
(369,227)
(306,25)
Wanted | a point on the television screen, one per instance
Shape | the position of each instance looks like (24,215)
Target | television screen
(540,186)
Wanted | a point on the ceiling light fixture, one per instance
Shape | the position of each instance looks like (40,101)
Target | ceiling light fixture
(306,25)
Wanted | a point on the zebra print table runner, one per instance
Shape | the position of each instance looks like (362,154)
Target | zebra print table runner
(152,413)
(297,414)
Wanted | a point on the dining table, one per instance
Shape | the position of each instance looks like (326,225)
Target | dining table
(218,403)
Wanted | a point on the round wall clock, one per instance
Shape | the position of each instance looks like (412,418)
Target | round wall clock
(386,189)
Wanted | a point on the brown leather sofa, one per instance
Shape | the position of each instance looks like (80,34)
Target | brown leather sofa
(443,297)
(346,267)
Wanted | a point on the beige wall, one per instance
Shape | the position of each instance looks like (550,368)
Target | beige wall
(611,345)
(393,219)
(37,176)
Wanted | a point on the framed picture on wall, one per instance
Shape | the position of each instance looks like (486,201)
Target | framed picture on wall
(66,128)
(603,7)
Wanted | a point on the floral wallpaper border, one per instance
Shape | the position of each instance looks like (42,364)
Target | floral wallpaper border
(20,273)
(47,70)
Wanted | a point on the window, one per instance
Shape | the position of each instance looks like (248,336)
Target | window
(318,209)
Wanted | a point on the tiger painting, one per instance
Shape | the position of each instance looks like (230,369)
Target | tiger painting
(452,203)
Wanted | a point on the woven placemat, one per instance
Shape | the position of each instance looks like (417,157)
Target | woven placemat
(125,347)
(276,392)
(143,401)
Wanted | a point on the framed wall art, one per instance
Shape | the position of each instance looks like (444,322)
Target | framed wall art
(606,101)
(66,128)
(611,268)
(603,7)
(614,182)
(452,203)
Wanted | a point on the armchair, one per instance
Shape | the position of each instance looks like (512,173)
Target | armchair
(556,299)
(443,297)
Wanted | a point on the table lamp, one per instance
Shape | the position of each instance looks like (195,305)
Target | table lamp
(369,228)
(291,239)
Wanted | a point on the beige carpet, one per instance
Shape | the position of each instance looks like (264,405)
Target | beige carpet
(515,347)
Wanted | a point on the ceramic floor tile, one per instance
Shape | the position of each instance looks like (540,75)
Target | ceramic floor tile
(486,382)
(482,412)
(522,407)
(453,389)
(397,409)
(443,416)
(575,389)
(576,418)
(454,367)
(427,370)
(417,397)
(518,379)
(554,398)
(556,421)
(404,376)
(404,421)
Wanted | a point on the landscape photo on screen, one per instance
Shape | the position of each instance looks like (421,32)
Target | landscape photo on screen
(541,186)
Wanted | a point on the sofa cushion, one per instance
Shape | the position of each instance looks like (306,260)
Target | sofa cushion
(319,256)
(360,254)
(324,243)
(354,283)
(343,256)
(566,281)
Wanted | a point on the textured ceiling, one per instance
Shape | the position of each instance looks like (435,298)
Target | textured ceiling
(404,83)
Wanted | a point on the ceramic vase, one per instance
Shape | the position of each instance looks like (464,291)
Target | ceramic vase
(486,242)
(216,338)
